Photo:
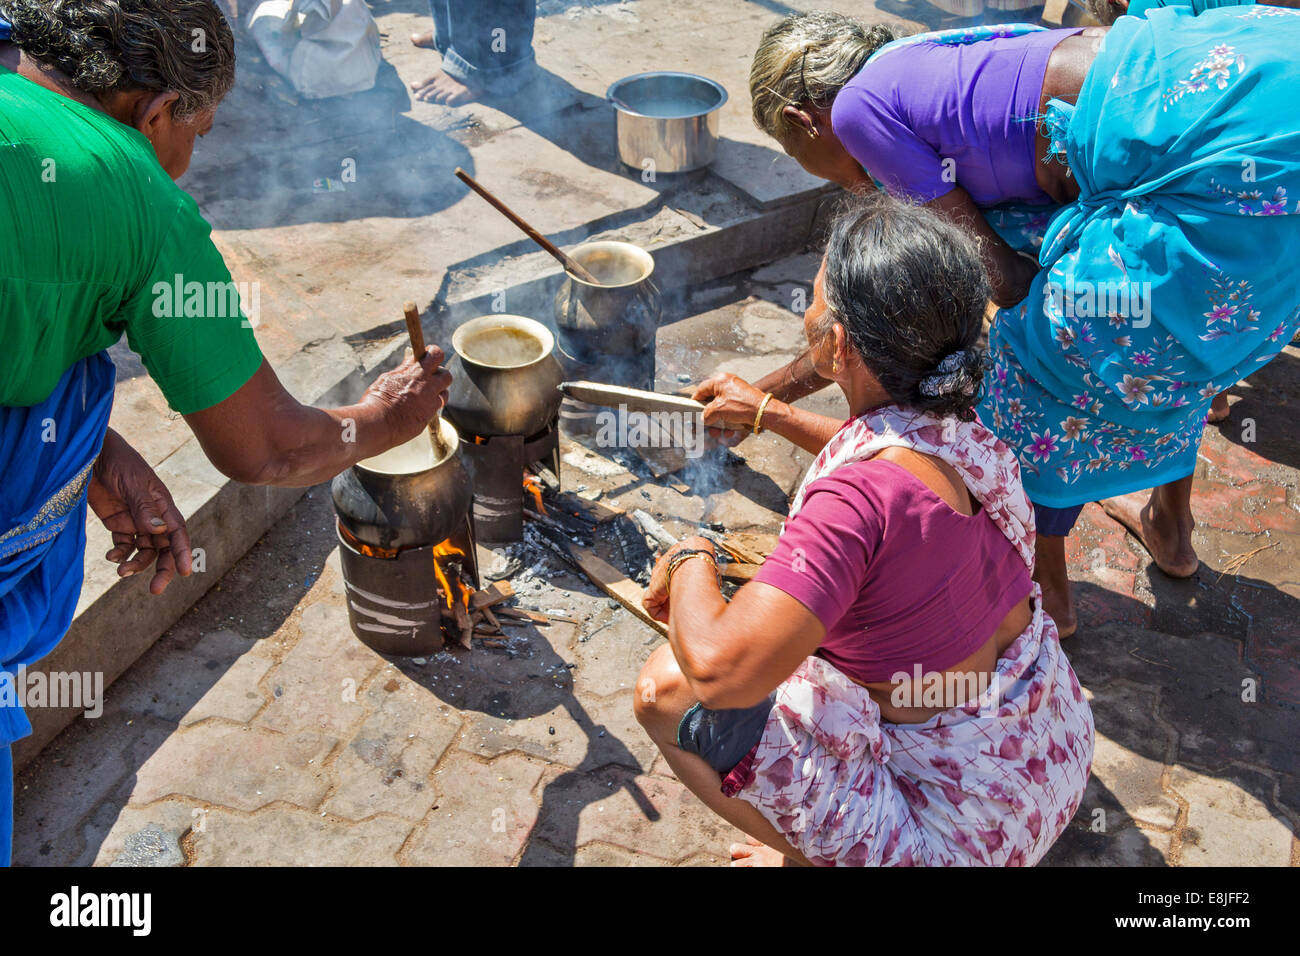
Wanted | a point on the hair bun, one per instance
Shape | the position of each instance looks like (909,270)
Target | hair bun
(958,376)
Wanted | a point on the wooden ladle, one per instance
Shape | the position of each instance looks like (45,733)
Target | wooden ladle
(416,333)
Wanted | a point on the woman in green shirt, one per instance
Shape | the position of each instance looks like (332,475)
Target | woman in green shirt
(100,103)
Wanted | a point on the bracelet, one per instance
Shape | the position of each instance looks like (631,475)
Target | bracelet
(758,419)
(685,555)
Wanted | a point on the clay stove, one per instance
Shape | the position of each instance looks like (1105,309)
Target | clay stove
(505,403)
(406,540)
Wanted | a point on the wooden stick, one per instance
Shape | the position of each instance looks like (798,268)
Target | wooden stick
(614,583)
(416,333)
(497,592)
(570,264)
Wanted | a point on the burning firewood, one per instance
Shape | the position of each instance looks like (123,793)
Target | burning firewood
(499,591)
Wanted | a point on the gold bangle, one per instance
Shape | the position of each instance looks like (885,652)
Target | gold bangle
(758,419)
(681,557)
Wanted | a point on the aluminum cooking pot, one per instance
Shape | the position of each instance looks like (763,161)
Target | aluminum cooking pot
(667,121)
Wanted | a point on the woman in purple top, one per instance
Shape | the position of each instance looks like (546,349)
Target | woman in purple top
(888,690)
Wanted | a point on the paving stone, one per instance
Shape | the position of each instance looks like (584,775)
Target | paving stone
(1248,509)
(1227,824)
(290,837)
(173,819)
(1130,846)
(236,695)
(618,807)
(91,764)
(485,814)
(610,659)
(314,687)
(240,767)
(387,767)
(1133,779)
(604,731)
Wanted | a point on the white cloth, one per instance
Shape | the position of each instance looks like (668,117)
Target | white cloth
(322,47)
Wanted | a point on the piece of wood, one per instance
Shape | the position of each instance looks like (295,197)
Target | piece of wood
(614,583)
(416,333)
(523,614)
(463,624)
(652,528)
(570,264)
(497,592)
(738,572)
(490,617)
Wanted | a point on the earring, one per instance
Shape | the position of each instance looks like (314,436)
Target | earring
(814,133)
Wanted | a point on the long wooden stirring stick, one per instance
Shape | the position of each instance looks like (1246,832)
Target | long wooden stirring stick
(570,264)
(416,333)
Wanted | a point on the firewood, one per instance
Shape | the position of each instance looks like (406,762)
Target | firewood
(523,614)
(499,591)
(738,572)
(464,624)
(615,583)
(490,617)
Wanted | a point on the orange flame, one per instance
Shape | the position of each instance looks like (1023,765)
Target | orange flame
(367,549)
(449,550)
(534,488)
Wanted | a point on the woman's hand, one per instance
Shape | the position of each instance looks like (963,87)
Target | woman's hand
(731,404)
(137,509)
(655,599)
(412,393)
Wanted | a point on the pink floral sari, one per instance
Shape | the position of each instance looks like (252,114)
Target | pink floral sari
(993,782)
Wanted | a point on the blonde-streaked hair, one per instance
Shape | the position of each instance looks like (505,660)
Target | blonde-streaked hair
(805,60)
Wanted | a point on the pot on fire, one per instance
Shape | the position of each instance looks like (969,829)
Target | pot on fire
(404,532)
(504,376)
(606,332)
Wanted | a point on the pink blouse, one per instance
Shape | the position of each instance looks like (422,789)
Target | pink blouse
(896,576)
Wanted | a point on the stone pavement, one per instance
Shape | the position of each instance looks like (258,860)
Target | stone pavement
(258,731)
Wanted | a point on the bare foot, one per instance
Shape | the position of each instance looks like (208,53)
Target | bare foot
(1061,608)
(1218,409)
(441,88)
(1169,546)
(423,40)
(754,853)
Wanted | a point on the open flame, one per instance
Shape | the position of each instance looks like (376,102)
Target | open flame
(452,586)
(534,488)
(367,549)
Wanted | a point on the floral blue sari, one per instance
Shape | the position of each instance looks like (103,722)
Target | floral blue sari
(1159,284)
(46,453)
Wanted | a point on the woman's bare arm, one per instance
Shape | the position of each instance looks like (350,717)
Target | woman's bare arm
(732,654)
(732,404)
(1010,273)
(262,435)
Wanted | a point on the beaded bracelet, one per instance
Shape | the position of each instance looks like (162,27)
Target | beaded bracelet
(686,554)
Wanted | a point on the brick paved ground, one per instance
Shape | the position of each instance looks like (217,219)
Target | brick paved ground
(259,731)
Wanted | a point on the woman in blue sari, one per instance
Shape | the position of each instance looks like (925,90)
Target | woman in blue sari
(1158,286)
(1107,367)
(100,104)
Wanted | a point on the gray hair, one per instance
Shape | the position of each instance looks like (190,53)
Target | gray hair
(806,59)
(101,46)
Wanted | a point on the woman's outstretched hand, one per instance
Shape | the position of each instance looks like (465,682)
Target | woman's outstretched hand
(731,404)
(137,509)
